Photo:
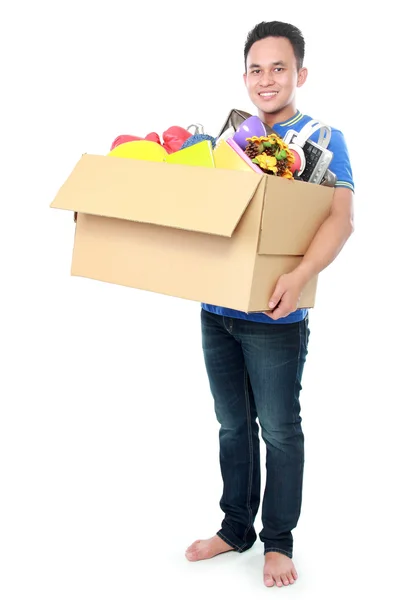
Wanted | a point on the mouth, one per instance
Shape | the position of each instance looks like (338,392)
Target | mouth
(267,95)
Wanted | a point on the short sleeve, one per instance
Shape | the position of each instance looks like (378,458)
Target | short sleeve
(340,164)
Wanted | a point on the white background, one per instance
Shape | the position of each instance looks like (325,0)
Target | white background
(109,445)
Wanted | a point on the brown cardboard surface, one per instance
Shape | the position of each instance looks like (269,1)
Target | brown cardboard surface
(293,211)
(186,197)
(190,265)
(267,271)
(210,235)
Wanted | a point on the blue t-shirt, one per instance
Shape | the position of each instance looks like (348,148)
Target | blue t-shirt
(340,166)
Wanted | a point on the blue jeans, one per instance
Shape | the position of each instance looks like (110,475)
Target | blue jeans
(255,372)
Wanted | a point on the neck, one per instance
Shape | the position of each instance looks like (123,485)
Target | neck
(278,117)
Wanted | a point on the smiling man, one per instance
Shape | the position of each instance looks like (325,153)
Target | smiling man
(255,361)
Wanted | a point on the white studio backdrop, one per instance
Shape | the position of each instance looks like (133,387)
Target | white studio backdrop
(109,445)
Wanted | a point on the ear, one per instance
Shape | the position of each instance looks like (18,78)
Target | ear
(302,77)
(245,79)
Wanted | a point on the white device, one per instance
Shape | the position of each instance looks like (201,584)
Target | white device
(315,158)
(198,128)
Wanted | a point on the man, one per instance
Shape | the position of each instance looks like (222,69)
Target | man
(255,361)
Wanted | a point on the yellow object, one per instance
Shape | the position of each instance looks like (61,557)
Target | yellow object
(140,149)
(226,158)
(267,162)
(200,155)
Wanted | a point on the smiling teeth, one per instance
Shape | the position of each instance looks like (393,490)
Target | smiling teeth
(268,93)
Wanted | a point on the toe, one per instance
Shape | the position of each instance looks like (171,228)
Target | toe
(268,580)
(192,556)
(278,581)
(191,552)
(285,580)
(294,574)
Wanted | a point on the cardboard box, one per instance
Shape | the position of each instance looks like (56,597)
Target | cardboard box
(205,234)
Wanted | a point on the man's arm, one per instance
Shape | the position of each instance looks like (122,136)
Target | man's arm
(324,248)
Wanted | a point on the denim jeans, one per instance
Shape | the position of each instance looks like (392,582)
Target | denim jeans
(255,372)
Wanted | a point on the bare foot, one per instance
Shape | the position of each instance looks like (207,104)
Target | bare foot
(278,569)
(202,549)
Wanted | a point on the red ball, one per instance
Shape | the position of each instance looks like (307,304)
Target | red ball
(297,161)
(121,139)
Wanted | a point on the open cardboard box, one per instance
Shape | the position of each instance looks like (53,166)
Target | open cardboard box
(210,235)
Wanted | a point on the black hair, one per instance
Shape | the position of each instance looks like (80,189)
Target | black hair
(277,29)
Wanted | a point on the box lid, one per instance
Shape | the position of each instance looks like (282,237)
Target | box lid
(194,198)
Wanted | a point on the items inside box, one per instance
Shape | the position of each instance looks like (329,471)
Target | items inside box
(243,143)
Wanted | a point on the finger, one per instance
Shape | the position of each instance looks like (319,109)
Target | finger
(276,296)
(280,311)
(277,314)
(275,299)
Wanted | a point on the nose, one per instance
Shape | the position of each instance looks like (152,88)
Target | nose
(266,79)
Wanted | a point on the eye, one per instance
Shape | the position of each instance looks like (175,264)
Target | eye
(256,71)
(278,69)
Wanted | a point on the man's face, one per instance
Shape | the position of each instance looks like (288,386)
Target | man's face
(271,75)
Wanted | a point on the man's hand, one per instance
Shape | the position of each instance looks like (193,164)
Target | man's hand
(286,296)
(326,245)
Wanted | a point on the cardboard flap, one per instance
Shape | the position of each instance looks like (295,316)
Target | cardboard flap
(293,212)
(194,198)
